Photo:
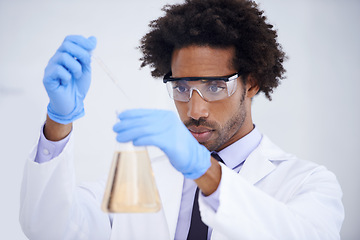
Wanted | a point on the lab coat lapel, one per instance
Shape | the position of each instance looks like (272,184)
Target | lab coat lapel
(260,162)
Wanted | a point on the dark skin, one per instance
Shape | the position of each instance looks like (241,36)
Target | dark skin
(194,61)
(202,61)
(54,131)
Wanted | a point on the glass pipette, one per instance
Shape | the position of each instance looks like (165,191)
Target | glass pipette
(109,74)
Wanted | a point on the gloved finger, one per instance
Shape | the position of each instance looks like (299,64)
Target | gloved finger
(84,82)
(157,119)
(138,122)
(140,130)
(76,51)
(147,126)
(126,124)
(69,63)
(88,44)
(137,113)
(54,76)
(128,135)
(148,141)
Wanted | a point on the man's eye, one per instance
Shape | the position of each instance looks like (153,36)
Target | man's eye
(215,88)
(180,89)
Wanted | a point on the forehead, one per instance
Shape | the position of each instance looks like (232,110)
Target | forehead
(193,61)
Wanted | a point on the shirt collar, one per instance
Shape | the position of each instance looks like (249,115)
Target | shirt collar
(236,153)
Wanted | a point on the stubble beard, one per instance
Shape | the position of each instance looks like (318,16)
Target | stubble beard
(231,127)
(225,133)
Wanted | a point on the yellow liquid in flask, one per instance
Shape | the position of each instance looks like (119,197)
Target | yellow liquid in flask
(131,186)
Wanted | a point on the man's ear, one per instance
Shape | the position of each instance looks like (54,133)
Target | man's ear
(252,86)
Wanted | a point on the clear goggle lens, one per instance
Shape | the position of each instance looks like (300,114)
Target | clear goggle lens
(209,90)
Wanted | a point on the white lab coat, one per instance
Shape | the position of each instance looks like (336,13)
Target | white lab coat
(275,196)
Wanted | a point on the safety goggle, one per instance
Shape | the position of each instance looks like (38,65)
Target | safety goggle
(209,88)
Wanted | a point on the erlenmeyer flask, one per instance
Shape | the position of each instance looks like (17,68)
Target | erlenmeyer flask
(131,186)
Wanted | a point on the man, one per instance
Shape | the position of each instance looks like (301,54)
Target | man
(215,56)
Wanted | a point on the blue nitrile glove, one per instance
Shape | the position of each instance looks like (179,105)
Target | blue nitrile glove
(163,129)
(67,78)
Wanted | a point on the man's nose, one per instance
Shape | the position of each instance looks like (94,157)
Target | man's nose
(197,106)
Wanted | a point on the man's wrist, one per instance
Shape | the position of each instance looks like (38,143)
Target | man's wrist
(210,180)
(55,131)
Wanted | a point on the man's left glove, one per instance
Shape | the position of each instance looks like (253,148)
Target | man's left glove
(164,130)
(67,78)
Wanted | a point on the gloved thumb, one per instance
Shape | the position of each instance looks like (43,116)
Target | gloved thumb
(93,41)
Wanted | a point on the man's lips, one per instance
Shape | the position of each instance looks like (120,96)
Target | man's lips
(202,134)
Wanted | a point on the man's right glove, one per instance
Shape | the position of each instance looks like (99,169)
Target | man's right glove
(67,78)
(163,129)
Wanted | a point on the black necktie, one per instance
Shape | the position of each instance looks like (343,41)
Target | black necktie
(198,230)
(217,157)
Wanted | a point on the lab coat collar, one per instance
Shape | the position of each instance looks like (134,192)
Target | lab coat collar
(236,153)
(261,161)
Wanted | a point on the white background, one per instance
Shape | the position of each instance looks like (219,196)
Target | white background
(314,114)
